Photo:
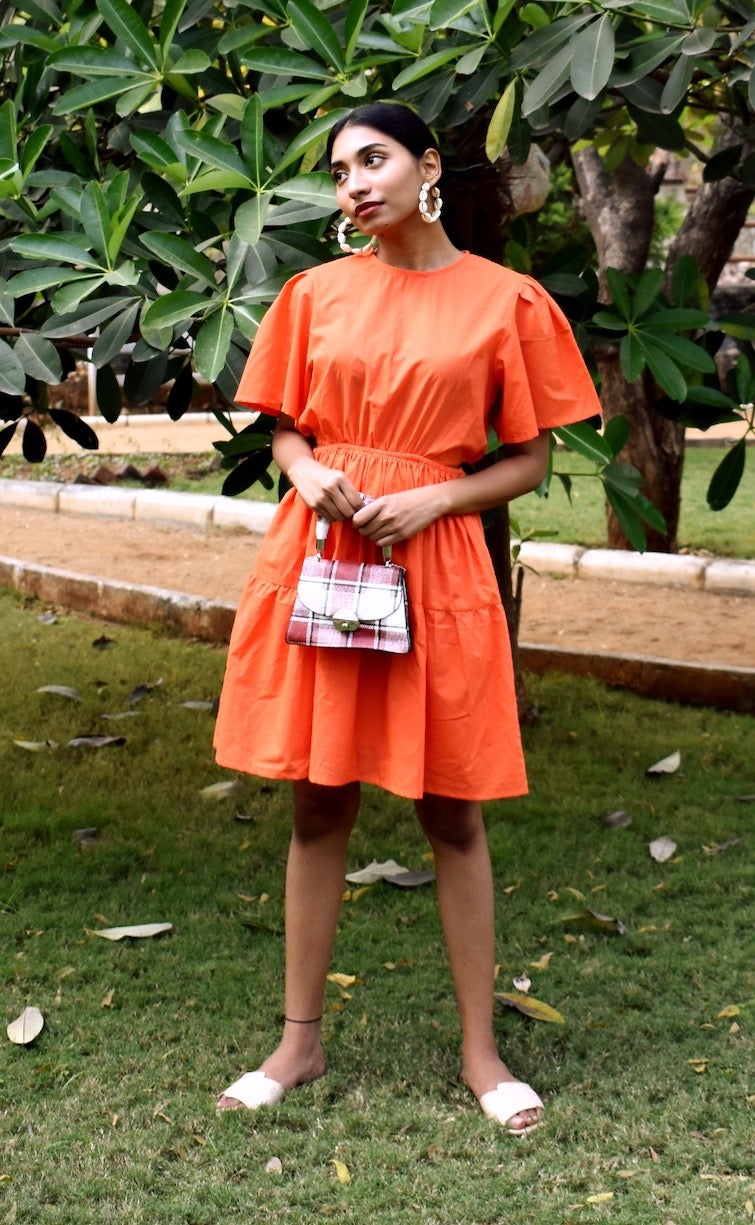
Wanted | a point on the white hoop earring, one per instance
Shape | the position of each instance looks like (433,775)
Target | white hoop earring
(344,245)
(424,208)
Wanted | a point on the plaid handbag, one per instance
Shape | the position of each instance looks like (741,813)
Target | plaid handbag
(350,604)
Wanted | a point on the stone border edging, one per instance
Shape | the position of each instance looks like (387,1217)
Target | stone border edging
(198,510)
(725,687)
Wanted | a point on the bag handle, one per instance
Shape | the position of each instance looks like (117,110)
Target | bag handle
(322,527)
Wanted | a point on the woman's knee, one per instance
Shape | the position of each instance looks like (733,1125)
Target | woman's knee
(456,822)
(320,811)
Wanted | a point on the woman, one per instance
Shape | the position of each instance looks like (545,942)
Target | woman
(387,368)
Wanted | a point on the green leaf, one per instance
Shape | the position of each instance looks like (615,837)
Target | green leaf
(8,133)
(12,376)
(445,13)
(677,85)
(33,443)
(107,391)
(500,123)
(284,63)
(426,64)
(91,62)
(169,23)
(664,370)
(722,163)
(629,521)
(52,247)
(314,132)
(253,139)
(153,150)
(685,352)
(82,97)
(247,472)
(212,343)
(353,26)
(727,476)
(316,32)
(250,217)
(174,309)
(34,147)
(619,291)
(648,288)
(213,152)
(616,433)
(95,218)
(75,428)
(593,53)
(586,441)
(631,356)
(116,335)
(177,253)
(128,26)
(6,436)
(40,357)
(84,318)
(678,319)
(316,189)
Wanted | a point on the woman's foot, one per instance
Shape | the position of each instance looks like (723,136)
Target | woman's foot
(509,1101)
(297,1060)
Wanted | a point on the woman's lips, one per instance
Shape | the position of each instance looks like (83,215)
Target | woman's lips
(364,210)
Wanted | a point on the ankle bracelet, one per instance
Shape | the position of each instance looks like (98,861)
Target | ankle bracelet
(295,1021)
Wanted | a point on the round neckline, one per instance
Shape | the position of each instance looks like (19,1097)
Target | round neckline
(418,272)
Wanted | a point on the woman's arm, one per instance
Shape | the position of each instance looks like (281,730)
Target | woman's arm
(397,516)
(327,491)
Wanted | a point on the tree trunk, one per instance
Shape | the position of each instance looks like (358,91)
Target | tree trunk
(619,211)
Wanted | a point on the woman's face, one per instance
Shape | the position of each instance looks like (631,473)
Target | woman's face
(378,180)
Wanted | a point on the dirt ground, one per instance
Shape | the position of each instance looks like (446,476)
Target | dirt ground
(628,618)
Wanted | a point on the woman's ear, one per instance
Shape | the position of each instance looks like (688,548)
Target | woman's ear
(430,165)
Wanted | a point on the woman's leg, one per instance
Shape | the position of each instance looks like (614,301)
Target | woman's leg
(456,833)
(323,820)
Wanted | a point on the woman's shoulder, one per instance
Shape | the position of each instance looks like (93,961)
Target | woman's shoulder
(499,277)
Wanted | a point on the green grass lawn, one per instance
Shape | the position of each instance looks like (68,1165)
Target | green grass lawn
(726,533)
(109,1116)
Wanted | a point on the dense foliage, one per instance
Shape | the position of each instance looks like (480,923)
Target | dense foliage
(160,178)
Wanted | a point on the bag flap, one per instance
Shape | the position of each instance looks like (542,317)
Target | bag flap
(370,592)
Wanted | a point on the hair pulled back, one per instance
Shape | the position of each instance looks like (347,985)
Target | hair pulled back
(392,119)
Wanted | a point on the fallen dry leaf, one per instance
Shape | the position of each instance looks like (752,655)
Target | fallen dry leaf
(603,1198)
(597,922)
(219,791)
(543,963)
(523,983)
(274,1166)
(731,1010)
(667,765)
(36,746)
(61,691)
(107,999)
(662,848)
(96,742)
(718,847)
(342,980)
(26,1028)
(342,1171)
(616,820)
(374,872)
(529,1007)
(139,931)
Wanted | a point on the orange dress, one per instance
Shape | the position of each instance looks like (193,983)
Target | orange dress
(397,376)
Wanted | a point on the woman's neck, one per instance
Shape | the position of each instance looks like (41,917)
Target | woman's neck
(421,251)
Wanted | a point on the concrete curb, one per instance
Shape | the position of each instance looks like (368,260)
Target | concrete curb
(728,688)
(203,511)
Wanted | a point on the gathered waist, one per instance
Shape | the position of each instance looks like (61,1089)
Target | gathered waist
(448,471)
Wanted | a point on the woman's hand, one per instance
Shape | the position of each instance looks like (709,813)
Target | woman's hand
(326,491)
(398,516)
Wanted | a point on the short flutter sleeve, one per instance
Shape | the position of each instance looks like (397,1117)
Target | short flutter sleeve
(542,377)
(277,374)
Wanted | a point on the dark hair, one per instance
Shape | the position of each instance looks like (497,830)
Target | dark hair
(392,119)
